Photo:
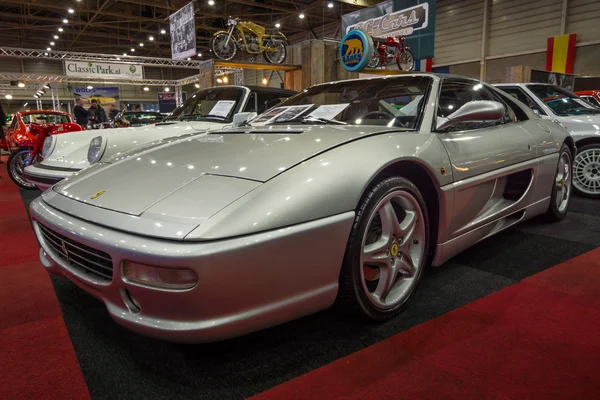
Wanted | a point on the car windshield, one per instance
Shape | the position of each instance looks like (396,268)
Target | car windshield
(391,102)
(215,104)
(45,118)
(561,101)
(592,100)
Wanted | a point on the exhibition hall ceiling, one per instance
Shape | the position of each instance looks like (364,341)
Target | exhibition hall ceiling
(140,27)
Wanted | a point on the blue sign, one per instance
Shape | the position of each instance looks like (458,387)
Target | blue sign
(356,50)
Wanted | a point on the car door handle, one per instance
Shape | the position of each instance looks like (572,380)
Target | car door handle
(544,127)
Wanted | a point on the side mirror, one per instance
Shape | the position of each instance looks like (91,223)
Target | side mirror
(473,111)
(240,118)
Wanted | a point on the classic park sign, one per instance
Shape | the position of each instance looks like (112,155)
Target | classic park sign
(103,69)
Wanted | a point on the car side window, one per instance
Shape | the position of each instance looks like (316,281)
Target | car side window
(523,97)
(14,124)
(266,101)
(514,113)
(455,93)
(251,105)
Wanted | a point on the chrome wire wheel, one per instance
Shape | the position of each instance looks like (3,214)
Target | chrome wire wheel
(16,167)
(563,182)
(586,171)
(222,48)
(393,250)
(275,52)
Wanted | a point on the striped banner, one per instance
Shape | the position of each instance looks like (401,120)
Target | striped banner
(424,65)
(560,53)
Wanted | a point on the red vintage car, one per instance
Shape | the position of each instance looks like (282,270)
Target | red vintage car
(20,140)
(591,96)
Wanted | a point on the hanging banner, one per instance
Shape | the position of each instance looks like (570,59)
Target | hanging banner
(413,19)
(94,69)
(183,32)
(560,53)
(167,101)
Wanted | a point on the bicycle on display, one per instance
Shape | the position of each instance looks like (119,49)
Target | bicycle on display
(390,50)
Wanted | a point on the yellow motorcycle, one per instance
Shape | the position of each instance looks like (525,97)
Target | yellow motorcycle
(249,37)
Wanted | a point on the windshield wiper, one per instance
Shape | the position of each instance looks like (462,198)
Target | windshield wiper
(308,119)
(200,116)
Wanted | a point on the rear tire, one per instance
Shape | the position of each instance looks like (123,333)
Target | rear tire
(387,251)
(16,165)
(405,61)
(562,187)
(282,46)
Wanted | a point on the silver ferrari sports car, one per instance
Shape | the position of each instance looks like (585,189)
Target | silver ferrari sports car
(345,192)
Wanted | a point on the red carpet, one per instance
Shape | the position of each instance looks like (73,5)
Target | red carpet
(538,339)
(37,359)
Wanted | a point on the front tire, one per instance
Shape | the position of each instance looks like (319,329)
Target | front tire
(220,49)
(387,250)
(16,165)
(586,171)
(561,189)
(405,61)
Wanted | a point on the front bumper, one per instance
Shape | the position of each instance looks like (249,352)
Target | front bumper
(245,284)
(45,177)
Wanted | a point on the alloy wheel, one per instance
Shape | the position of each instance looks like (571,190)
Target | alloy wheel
(393,250)
(17,168)
(563,182)
(586,171)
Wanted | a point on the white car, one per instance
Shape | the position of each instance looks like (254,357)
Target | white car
(205,111)
(579,117)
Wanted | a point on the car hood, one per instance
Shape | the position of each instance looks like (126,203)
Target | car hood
(168,180)
(72,148)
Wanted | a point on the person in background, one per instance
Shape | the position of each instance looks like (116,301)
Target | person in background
(112,113)
(96,113)
(81,115)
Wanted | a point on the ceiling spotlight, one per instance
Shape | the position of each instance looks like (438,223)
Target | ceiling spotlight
(8,96)
(151,38)
(225,79)
(301,16)
(219,80)
(124,54)
(167,89)
(48,48)
(278,25)
(197,86)
(65,21)
(21,84)
(55,36)
(265,81)
(60,29)
(163,31)
(118,58)
(45,54)
(199,54)
(89,87)
(330,5)
(132,50)
(46,86)
(141,44)
(51,43)
(146,88)
(71,11)
(211,2)
(25,105)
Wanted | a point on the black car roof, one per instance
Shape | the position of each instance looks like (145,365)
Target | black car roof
(272,90)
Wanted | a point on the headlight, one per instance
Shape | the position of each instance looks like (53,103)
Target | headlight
(167,278)
(48,146)
(96,149)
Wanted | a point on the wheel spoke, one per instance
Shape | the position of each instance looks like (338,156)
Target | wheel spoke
(406,266)
(377,253)
(408,226)
(387,278)
(390,225)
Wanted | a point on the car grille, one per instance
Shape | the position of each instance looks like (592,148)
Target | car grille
(79,256)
